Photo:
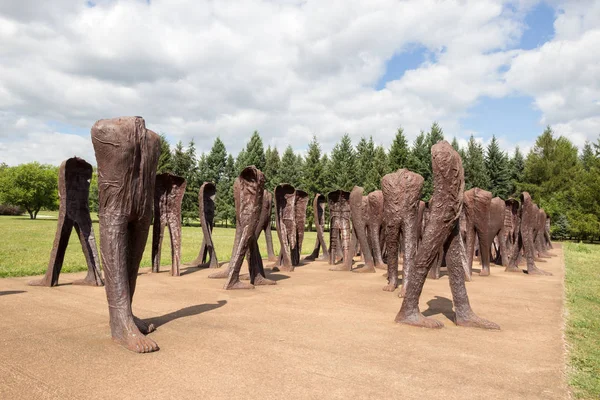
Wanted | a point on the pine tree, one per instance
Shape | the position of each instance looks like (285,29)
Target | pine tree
(215,161)
(185,165)
(517,168)
(455,144)
(313,178)
(435,134)
(342,164)
(378,170)
(365,152)
(289,171)
(165,160)
(497,169)
(204,174)
(241,162)
(474,166)
(588,157)
(255,153)
(272,165)
(225,206)
(399,152)
(420,162)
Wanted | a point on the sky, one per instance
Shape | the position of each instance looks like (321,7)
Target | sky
(291,69)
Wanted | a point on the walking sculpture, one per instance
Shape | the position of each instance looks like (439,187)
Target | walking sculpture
(74,176)
(319,217)
(540,240)
(168,195)
(207,257)
(442,231)
(359,208)
(496,223)
(248,190)
(375,227)
(477,212)
(127,156)
(265,224)
(340,229)
(299,221)
(401,193)
(529,229)
(285,219)
(510,236)
(547,236)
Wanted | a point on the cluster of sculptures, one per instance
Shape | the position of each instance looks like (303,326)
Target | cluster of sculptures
(381,226)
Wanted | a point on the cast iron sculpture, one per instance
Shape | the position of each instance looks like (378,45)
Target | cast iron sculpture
(401,193)
(340,230)
(442,231)
(285,219)
(127,155)
(496,223)
(359,208)
(477,212)
(168,195)
(248,190)
(299,221)
(74,178)
(529,227)
(207,257)
(510,236)
(265,224)
(547,237)
(540,240)
(375,227)
(319,216)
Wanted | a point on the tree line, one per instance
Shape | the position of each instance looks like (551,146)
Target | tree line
(563,181)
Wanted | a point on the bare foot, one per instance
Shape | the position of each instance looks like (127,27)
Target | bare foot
(537,271)
(283,268)
(221,274)
(144,327)
(261,280)
(471,320)
(40,282)
(132,339)
(512,269)
(364,269)
(484,272)
(418,319)
(238,285)
(390,288)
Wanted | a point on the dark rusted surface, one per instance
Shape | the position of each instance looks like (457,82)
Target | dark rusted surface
(529,229)
(401,193)
(495,225)
(265,223)
(74,176)
(442,231)
(285,219)
(127,155)
(510,235)
(374,226)
(547,237)
(359,208)
(541,245)
(340,229)
(300,205)
(248,191)
(477,212)
(319,217)
(168,195)
(207,257)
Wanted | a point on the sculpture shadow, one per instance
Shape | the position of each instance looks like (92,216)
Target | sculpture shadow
(184,312)
(440,305)
(277,277)
(191,270)
(7,292)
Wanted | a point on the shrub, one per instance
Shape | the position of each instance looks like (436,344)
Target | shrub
(6,209)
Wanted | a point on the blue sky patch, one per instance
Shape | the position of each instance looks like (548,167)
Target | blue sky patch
(401,62)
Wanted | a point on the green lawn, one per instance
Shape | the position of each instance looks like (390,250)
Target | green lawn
(25,245)
(583,318)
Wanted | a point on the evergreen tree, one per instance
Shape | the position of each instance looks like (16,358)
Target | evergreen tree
(272,165)
(289,171)
(378,170)
(399,152)
(313,178)
(588,156)
(474,166)
(328,178)
(455,144)
(497,169)
(255,153)
(420,162)
(240,162)
(165,160)
(435,134)
(341,168)
(225,206)
(215,161)
(517,168)
(204,174)
(185,165)
(365,152)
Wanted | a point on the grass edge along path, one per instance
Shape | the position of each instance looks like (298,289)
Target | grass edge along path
(582,330)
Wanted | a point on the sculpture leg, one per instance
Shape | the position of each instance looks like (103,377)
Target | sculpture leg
(464,314)
(116,234)
(392,233)
(237,259)
(175,234)
(376,246)
(57,256)
(333,244)
(345,243)
(269,240)
(529,247)
(256,267)
(315,253)
(471,236)
(485,252)
(88,245)
(158,232)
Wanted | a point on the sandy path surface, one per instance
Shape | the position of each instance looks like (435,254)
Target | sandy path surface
(315,335)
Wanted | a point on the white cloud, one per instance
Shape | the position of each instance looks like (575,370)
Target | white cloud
(290,69)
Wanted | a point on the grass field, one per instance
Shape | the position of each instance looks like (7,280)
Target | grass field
(25,245)
(583,318)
